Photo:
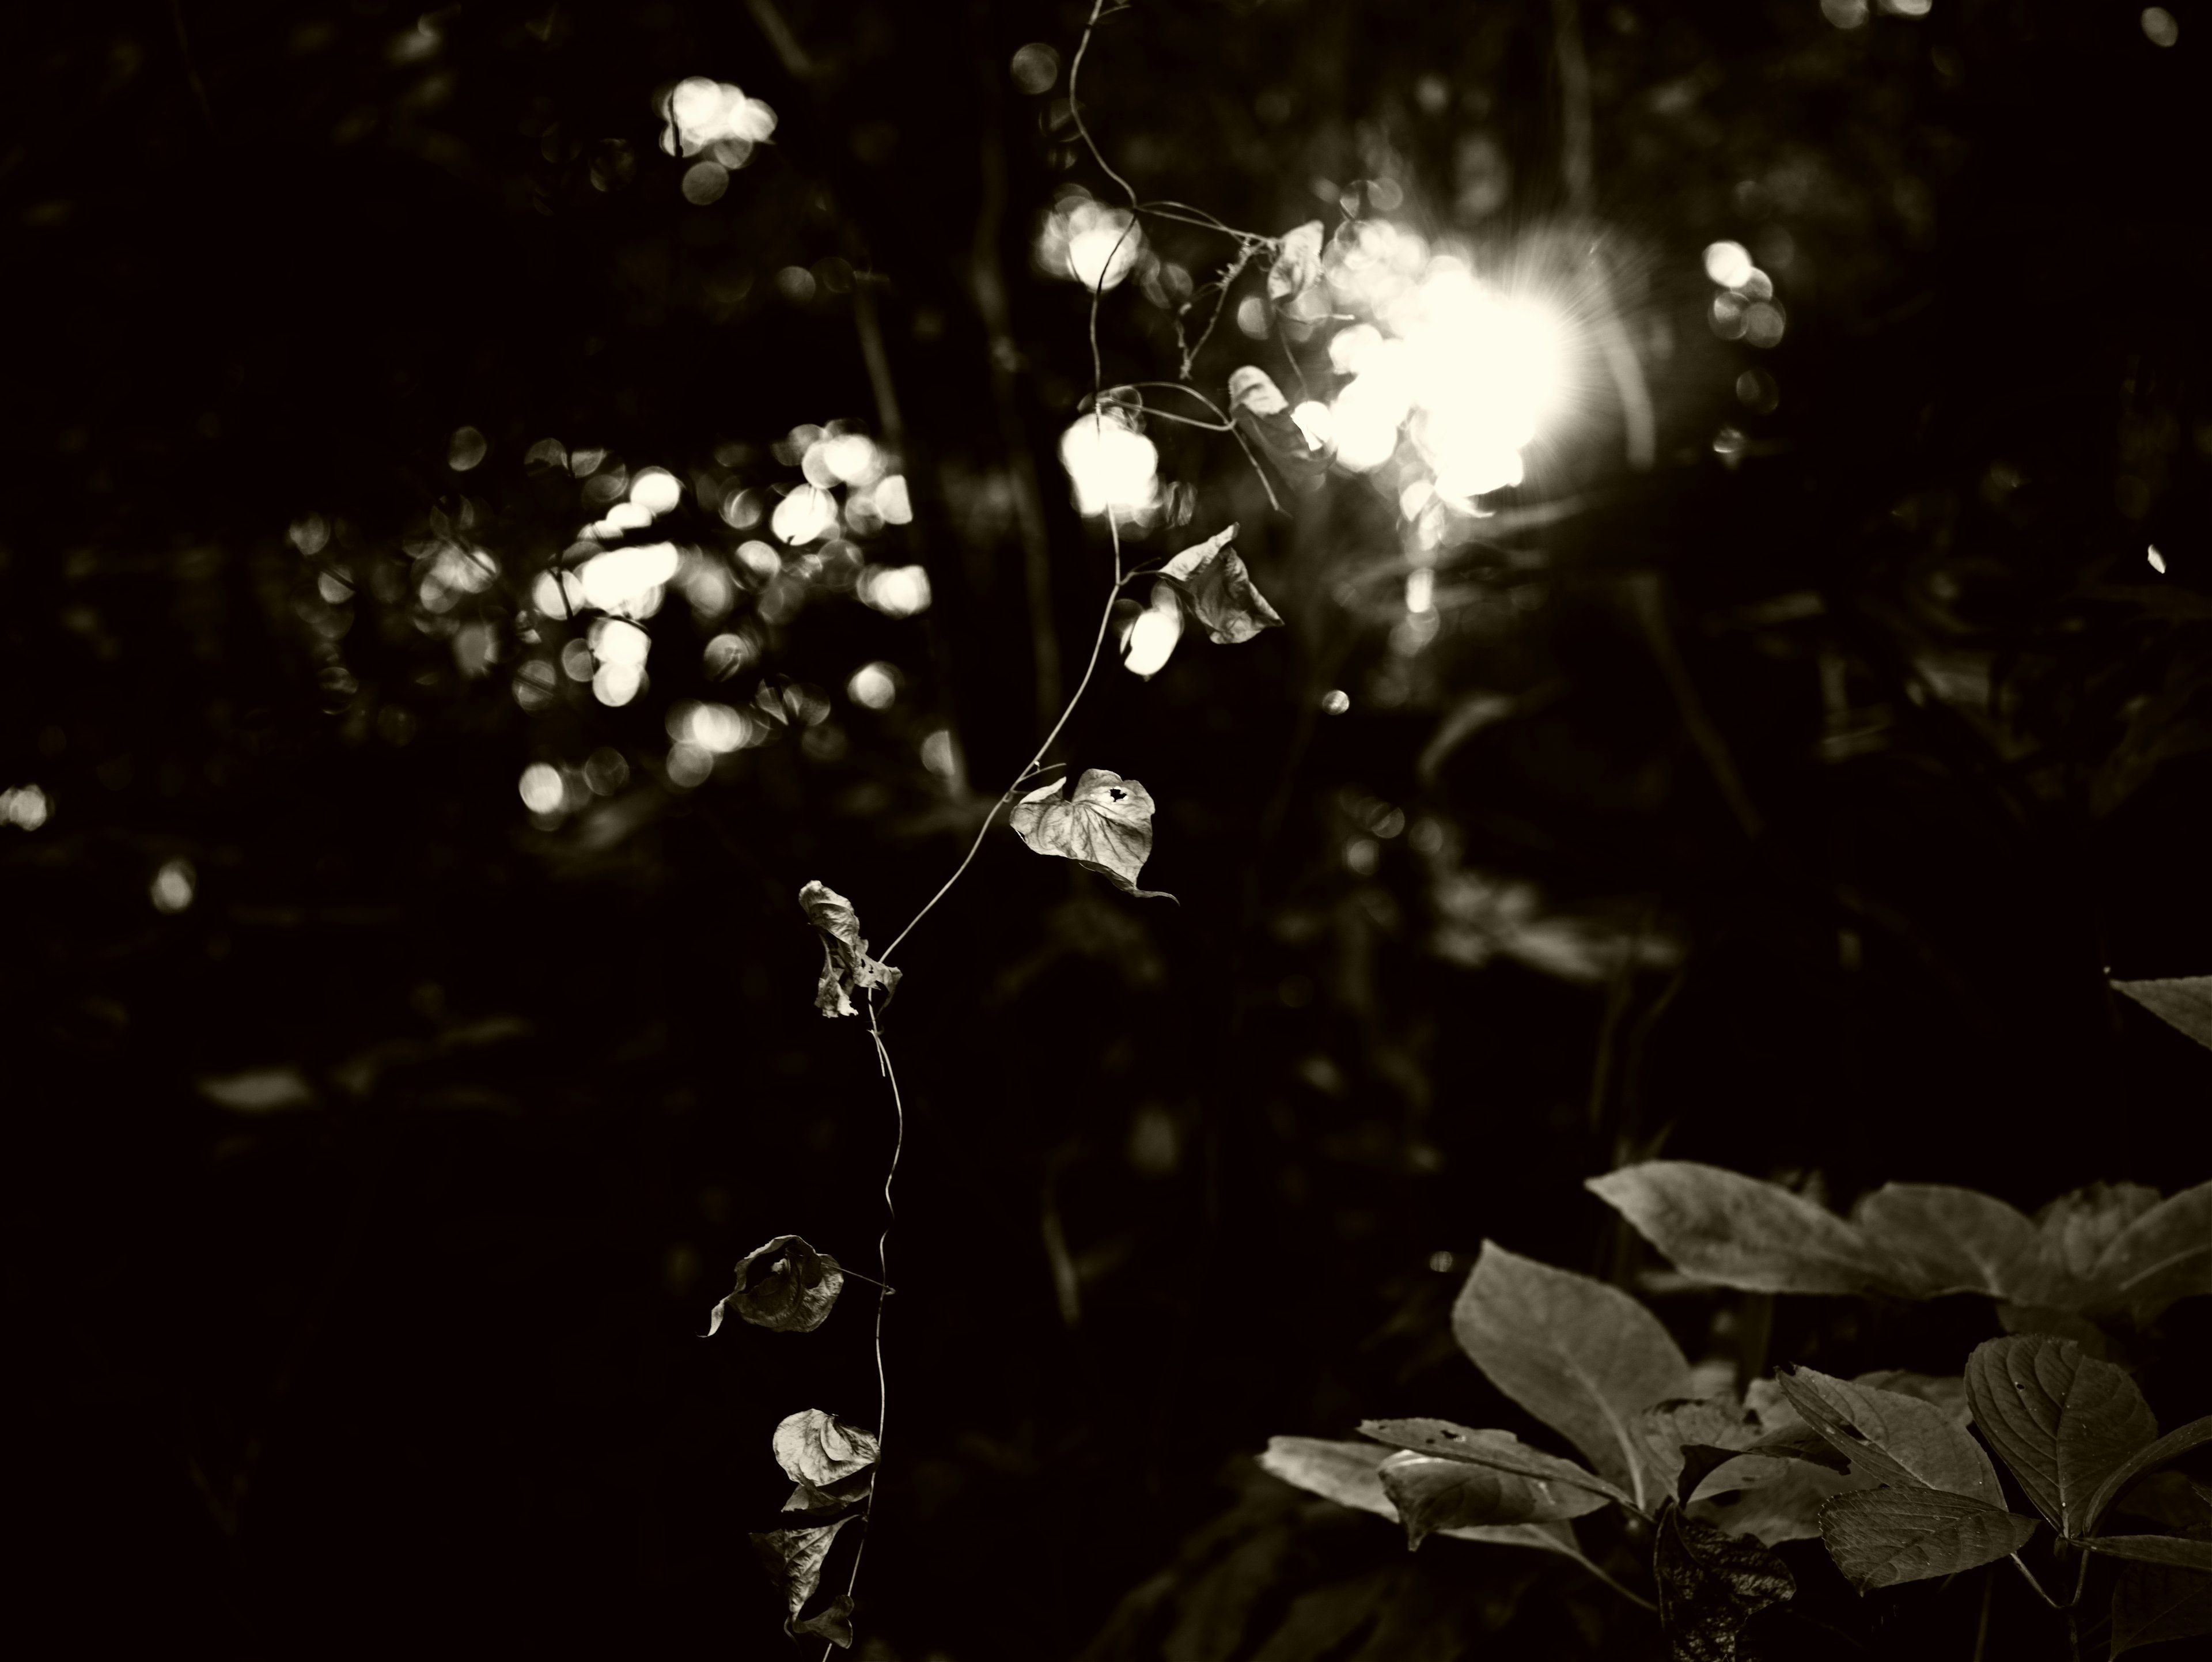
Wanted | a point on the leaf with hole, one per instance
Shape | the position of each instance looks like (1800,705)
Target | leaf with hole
(1433,1494)
(1900,1441)
(1710,1585)
(1501,1450)
(1584,1357)
(1211,576)
(846,968)
(1881,1536)
(1105,827)
(1722,1227)
(818,1448)
(786,1286)
(2063,1422)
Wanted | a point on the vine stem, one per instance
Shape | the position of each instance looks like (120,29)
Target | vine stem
(1035,762)
(882,1295)
(1636,1598)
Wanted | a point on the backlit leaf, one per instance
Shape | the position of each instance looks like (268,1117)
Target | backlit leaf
(1105,827)
(1895,1439)
(1501,1450)
(786,1286)
(1584,1357)
(846,966)
(1710,1583)
(1258,406)
(1212,575)
(2063,1422)
(818,1448)
(2185,1003)
(1298,262)
(1881,1536)
(1722,1227)
(1433,1494)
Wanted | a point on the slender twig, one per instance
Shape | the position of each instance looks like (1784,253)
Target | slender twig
(1982,1625)
(1651,612)
(192,71)
(1170,415)
(1075,104)
(1636,1598)
(2029,1575)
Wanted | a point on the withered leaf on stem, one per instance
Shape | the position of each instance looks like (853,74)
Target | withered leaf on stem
(1257,406)
(1213,578)
(1105,827)
(846,966)
(786,1286)
(793,1559)
(820,1449)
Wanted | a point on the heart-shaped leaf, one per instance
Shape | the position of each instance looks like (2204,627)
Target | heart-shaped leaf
(786,1286)
(1298,262)
(1501,1450)
(1881,1536)
(1583,1357)
(1258,406)
(1212,575)
(1433,1494)
(2063,1422)
(818,1448)
(793,1559)
(846,966)
(1900,1441)
(1105,827)
(1710,1583)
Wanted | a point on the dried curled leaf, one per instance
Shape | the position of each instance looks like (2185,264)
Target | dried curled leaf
(820,1449)
(1105,827)
(1298,262)
(793,1559)
(1213,577)
(1258,406)
(786,1286)
(1710,1585)
(834,1623)
(846,966)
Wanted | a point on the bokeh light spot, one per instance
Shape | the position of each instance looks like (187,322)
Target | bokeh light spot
(2159,27)
(872,686)
(465,449)
(656,490)
(1110,465)
(704,183)
(1035,67)
(27,807)
(542,788)
(1727,263)
(896,591)
(172,887)
(1336,701)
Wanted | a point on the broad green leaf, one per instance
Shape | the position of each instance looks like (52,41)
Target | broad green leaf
(786,1286)
(1213,577)
(1105,827)
(1501,1450)
(2179,1550)
(1257,406)
(1347,1473)
(1710,1583)
(1947,1240)
(2164,1255)
(1584,1357)
(1298,262)
(1881,1536)
(2062,1421)
(1722,1227)
(1895,1439)
(1433,1494)
(833,1622)
(2184,1003)
(793,1559)
(2172,1445)
(818,1448)
(2154,1602)
(846,966)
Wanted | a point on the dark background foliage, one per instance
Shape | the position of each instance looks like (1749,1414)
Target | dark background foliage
(1865,713)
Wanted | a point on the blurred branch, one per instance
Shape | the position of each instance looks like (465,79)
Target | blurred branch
(191,71)
(1575,144)
(792,56)
(1650,606)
